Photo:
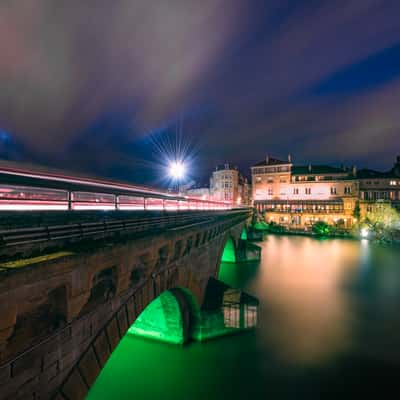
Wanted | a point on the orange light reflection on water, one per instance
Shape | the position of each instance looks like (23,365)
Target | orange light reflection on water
(302,288)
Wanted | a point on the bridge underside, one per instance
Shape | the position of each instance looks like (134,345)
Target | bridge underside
(162,320)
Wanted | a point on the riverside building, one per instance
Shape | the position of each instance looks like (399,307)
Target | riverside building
(298,196)
(377,188)
(227,184)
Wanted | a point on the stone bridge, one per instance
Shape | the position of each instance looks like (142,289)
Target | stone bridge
(66,301)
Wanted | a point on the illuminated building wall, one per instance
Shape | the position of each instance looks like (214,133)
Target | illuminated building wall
(224,184)
(302,195)
(379,187)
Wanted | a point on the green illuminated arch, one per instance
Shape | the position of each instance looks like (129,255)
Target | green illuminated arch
(229,253)
(243,235)
(170,318)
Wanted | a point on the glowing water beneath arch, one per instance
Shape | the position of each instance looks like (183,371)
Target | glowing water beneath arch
(161,320)
(229,254)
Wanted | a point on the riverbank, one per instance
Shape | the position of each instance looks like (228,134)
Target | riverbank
(337,234)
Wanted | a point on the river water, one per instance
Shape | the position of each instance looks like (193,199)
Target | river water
(328,327)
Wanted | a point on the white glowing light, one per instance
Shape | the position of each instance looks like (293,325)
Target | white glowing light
(364,232)
(177,170)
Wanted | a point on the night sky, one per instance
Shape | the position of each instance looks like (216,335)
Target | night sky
(106,87)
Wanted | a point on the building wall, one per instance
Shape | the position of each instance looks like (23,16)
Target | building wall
(380,189)
(301,199)
(224,184)
(269,181)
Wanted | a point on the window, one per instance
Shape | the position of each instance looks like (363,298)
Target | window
(333,190)
(347,190)
(270,192)
(270,180)
(296,191)
(393,183)
(258,179)
(308,190)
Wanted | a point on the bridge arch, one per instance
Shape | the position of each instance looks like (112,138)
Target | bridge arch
(175,310)
(171,317)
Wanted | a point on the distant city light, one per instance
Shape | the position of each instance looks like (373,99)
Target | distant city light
(364,232)
(177,170)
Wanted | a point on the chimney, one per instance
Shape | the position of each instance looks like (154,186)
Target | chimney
(267,159)
(354,170)
(289,158)
(309,167)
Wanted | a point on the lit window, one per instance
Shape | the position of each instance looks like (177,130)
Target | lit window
(393,183)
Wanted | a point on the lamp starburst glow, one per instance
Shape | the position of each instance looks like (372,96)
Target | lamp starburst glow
(177,170)
(364,233)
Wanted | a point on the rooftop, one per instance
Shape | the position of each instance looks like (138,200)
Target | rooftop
(371,174)
(317,169)
(271,161)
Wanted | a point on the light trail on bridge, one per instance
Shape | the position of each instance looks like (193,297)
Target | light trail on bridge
(25,190)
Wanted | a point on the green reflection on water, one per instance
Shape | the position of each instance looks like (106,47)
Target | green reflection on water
(161,320)
(229,252)
(329,326)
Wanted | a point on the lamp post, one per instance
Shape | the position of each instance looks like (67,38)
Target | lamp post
(177,170)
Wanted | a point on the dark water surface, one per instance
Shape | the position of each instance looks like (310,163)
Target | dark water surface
(328,327)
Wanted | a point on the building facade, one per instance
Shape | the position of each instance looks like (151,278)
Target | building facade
(224,184)
(301,195)
(377,188)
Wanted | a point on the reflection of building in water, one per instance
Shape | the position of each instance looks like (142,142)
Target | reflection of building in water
(225,310)
(310,317)
(240,309)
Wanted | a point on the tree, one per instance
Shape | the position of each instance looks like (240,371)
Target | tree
(321,228)
(383,221)
(357,211)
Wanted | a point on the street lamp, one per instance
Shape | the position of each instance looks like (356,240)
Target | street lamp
(177,171)
(364,233)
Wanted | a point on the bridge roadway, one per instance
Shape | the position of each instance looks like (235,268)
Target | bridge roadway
(72,283)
